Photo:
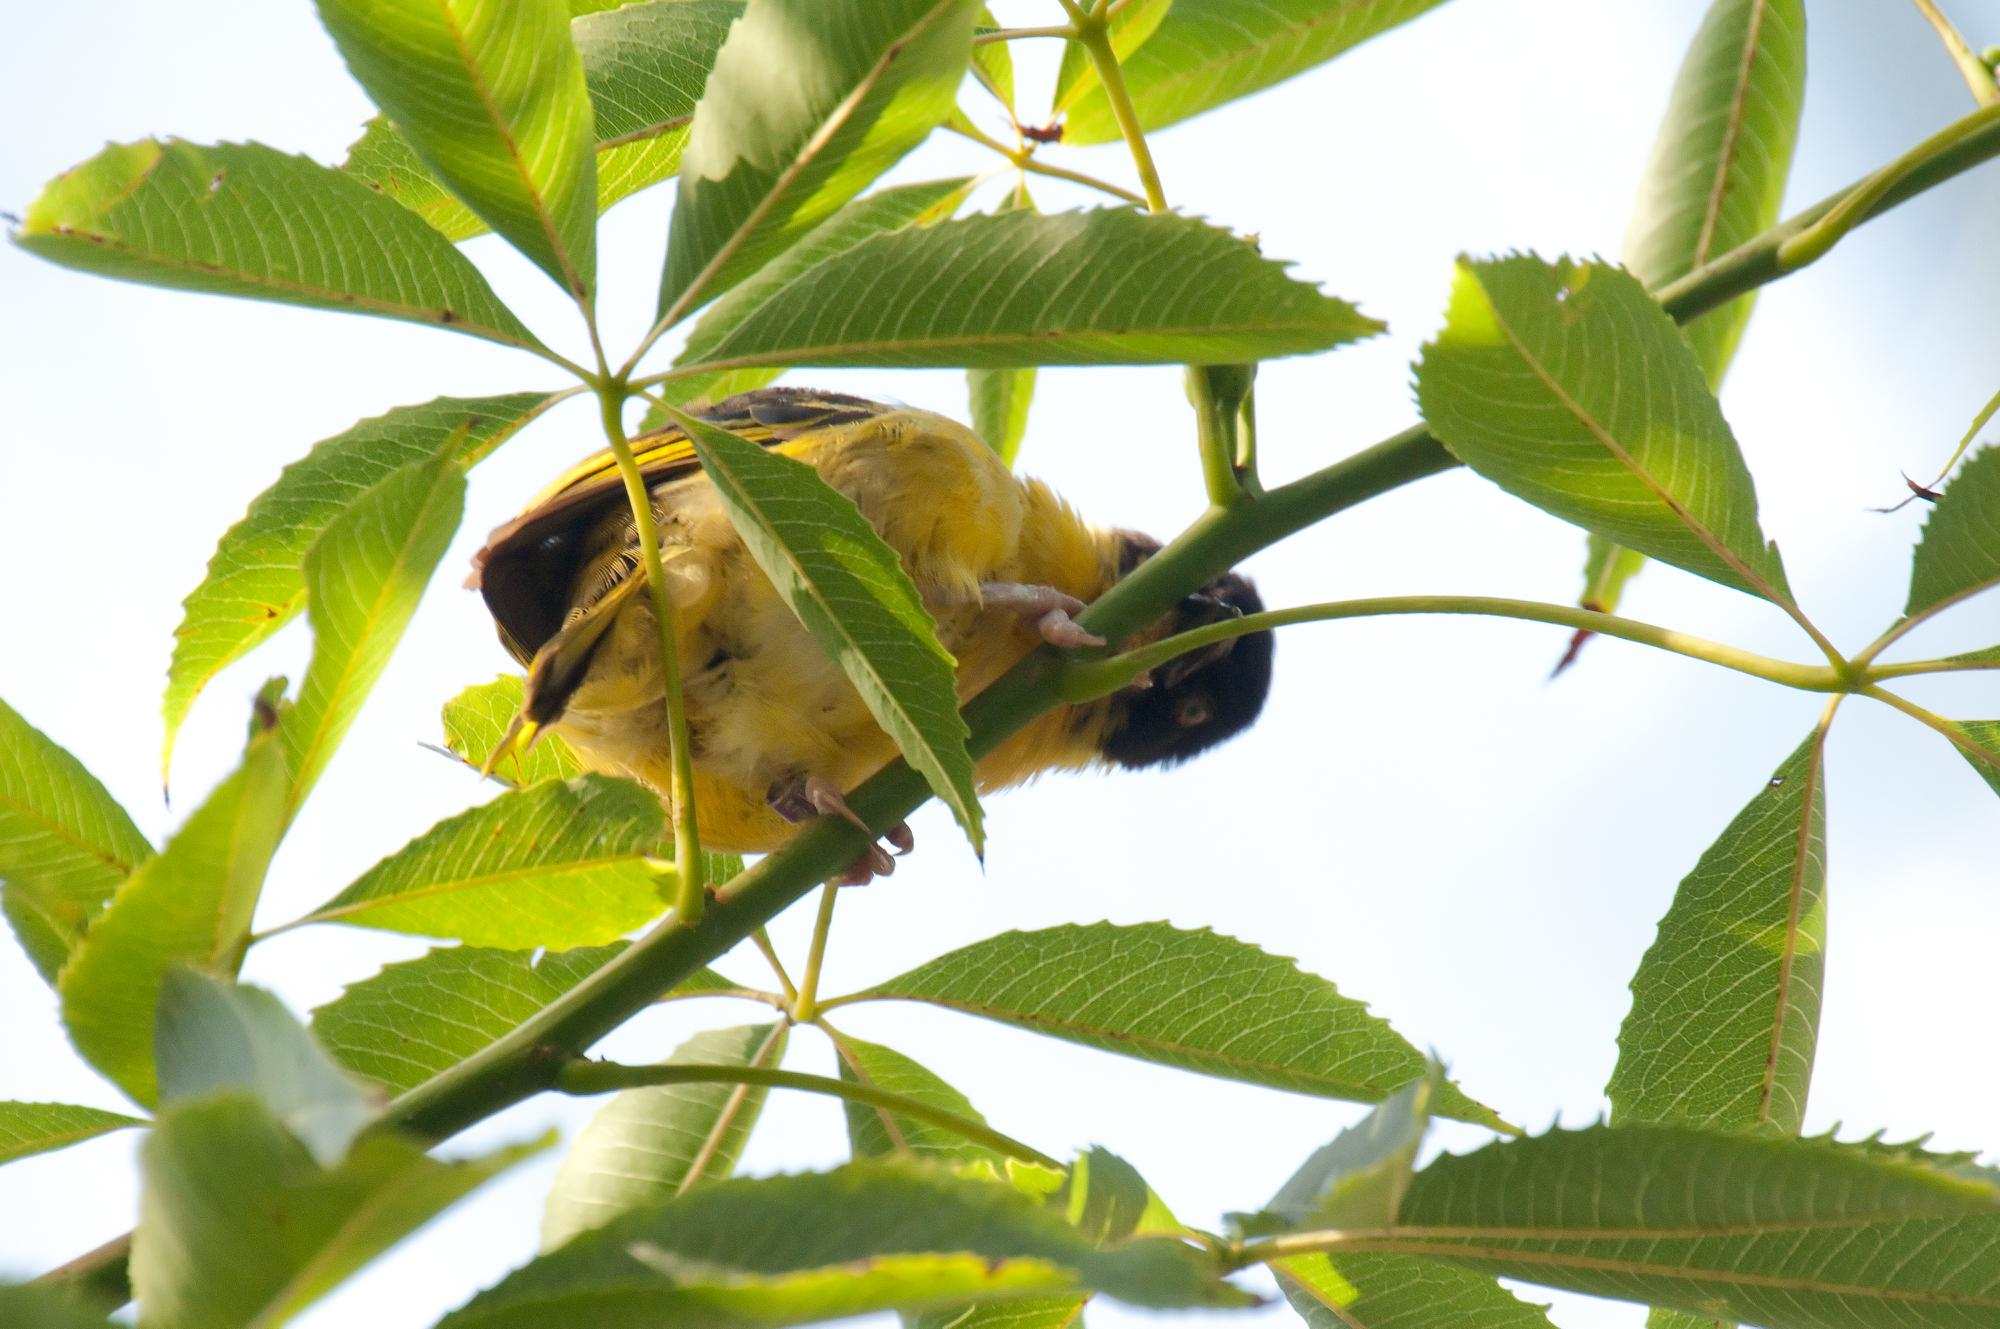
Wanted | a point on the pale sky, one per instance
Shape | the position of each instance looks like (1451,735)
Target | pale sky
(1420,816)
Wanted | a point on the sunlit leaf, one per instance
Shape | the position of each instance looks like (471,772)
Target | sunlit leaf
(886,210)
(770,156)
(869,1236)
(995,291)
(65,843)
(1719,164)
(1374,1291)
(1195,1000)
(651,1144)
(36,1128)
(244,219)
(993,63)
(643,64)
(1725,1006)
(191,905)
(874,1132)
(1783,1233)
(559,864)
(850,590)
(1568,386)
(1131,24)
(214,1036)
(491,96)
(255,582)
(476,720)
(1207,52)
(239,1226)
(999,397)
(1716,178)
(363,578)
(418,1017)
(1986,733)
(1359,1179)
(1959,555)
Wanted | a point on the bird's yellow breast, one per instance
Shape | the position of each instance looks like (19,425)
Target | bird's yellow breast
(765,703)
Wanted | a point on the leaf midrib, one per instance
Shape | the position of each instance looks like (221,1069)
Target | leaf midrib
(447,317)
(567,867)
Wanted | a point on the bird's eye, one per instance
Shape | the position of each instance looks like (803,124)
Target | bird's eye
(1192,711)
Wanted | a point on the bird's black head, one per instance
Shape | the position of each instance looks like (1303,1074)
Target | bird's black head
(1202,698)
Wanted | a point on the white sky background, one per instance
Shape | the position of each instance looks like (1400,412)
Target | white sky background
(1420,816)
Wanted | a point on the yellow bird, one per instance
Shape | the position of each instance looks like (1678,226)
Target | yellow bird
(776,731)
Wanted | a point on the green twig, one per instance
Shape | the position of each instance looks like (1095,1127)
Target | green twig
(690,896)
(1025,159)
(1951,729)
(1084,680)
(1018,34)
(1977,76)
(1883,673)
(805,1007)
(603,1077)
(762,940)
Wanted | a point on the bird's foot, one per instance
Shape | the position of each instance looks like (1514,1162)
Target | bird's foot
(1048,608)
(814,795)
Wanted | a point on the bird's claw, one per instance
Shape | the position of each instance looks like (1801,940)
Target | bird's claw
(1048,608)
(816,796)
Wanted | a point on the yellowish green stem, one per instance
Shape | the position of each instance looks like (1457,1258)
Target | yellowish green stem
(1951,729)
(805,1006)
(761,938)
(1084,680)
(584,1077)
(1977,76)
(691,896)
(1024,158)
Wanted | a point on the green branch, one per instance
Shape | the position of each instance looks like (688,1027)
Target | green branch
(1084,680)
(603,1077)
(528,1060)
(690,895)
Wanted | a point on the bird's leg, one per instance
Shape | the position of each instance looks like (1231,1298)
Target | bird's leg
(1046,607)
(812,795)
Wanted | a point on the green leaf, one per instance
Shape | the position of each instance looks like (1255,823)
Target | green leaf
(1015,289)
(215,1036)
(1725,1006)
(1716,178)
(37,1128)
(869,1236)
(65,843)
(887,210)
(1718,169)
(1027,1313)
(244,219)
(239,1226)
(416,1018)
(363,578)
(46,1306)
(1131,25)
(1783,1233)
(1987,733)
(999,400)
(648,1145)
(993,63)
(476,720)
(491,97)
(874,1132)
(558,864)
(1568,386)
(643,65)
(1359,1179)
(769,157)
(1371,1291)
(999,397)
(1207,52)
(1195,1000)
(1959,555)
(850,590)
(191,905)
(256,583)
